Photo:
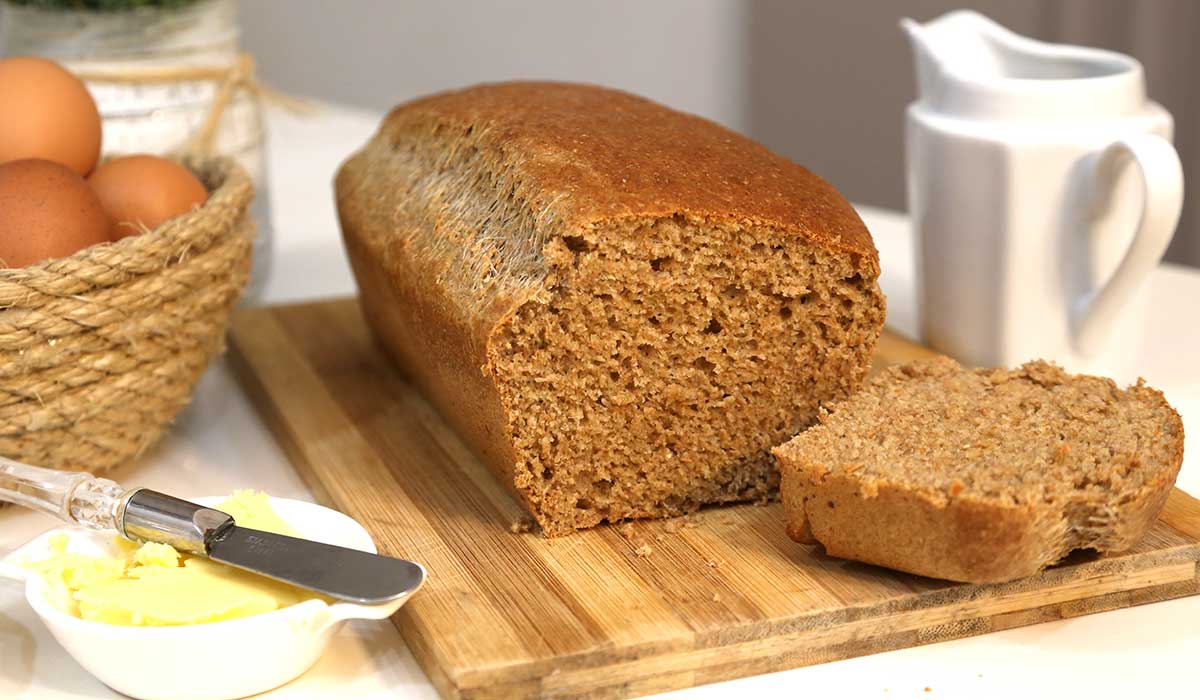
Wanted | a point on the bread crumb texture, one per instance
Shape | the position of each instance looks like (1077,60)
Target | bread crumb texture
(666,359)
(654,300)
(981,475)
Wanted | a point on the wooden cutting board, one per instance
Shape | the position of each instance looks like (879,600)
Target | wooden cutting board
(628,610)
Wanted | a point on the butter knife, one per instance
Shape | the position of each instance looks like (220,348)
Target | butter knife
(142,515)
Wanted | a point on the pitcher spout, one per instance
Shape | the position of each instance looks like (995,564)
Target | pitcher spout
(961,43)
(926,63)
(969,66)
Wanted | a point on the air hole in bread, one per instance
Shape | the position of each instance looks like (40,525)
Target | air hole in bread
(663,264)
(576,244)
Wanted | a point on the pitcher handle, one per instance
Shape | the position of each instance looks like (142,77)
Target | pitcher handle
(1162,200)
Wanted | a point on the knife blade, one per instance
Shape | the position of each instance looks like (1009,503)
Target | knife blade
(346,574)
(339,572)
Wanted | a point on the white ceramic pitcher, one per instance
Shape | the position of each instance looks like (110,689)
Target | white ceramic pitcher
(1035,235)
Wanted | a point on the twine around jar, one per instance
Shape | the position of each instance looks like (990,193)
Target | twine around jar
(231,79)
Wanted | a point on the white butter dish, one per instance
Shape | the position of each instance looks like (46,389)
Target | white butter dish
(216,661)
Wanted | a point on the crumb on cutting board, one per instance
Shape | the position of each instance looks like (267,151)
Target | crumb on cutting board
(521,525)
(644,551)
(626,530)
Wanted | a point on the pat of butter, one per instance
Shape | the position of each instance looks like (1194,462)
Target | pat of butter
(154,585)
(253,510)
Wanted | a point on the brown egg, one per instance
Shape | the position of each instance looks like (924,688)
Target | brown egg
(46,211)
(46,112)
(140,192)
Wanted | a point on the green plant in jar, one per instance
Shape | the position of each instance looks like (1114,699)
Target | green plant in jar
(102,5)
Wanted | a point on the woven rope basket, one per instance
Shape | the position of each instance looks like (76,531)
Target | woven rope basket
(100,350)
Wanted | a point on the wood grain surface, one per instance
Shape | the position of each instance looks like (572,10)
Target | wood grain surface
(627,610)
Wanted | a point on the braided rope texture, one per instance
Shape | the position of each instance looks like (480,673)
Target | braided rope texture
(100,350)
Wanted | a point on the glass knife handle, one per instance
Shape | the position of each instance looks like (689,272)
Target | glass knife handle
(73,497)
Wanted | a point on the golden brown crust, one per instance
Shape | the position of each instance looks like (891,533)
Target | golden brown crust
(618,155)
(395,304)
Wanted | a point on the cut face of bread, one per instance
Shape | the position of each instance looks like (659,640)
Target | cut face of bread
(981,475)
(666,358)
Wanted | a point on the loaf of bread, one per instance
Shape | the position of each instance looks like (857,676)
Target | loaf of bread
(981,475)
(619,307)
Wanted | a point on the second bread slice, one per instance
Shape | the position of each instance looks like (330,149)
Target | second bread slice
(981,475)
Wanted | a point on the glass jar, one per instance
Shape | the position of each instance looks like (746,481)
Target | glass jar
(155,117)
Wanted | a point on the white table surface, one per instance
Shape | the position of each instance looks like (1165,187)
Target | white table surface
(219,444)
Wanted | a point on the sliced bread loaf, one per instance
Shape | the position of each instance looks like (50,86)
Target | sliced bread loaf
(981,475)
(606,297)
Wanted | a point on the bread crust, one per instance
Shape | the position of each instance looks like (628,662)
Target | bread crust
(396,304)
(957,535)
(619,155)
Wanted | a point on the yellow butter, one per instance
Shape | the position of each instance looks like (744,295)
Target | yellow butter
(154,585)
(253,509)
(156,555)
(199,591)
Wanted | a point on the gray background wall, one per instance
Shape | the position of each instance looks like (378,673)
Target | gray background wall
(688,53)
(822,81)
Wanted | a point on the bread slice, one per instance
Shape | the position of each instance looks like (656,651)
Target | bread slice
(981,475)
(607,298)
